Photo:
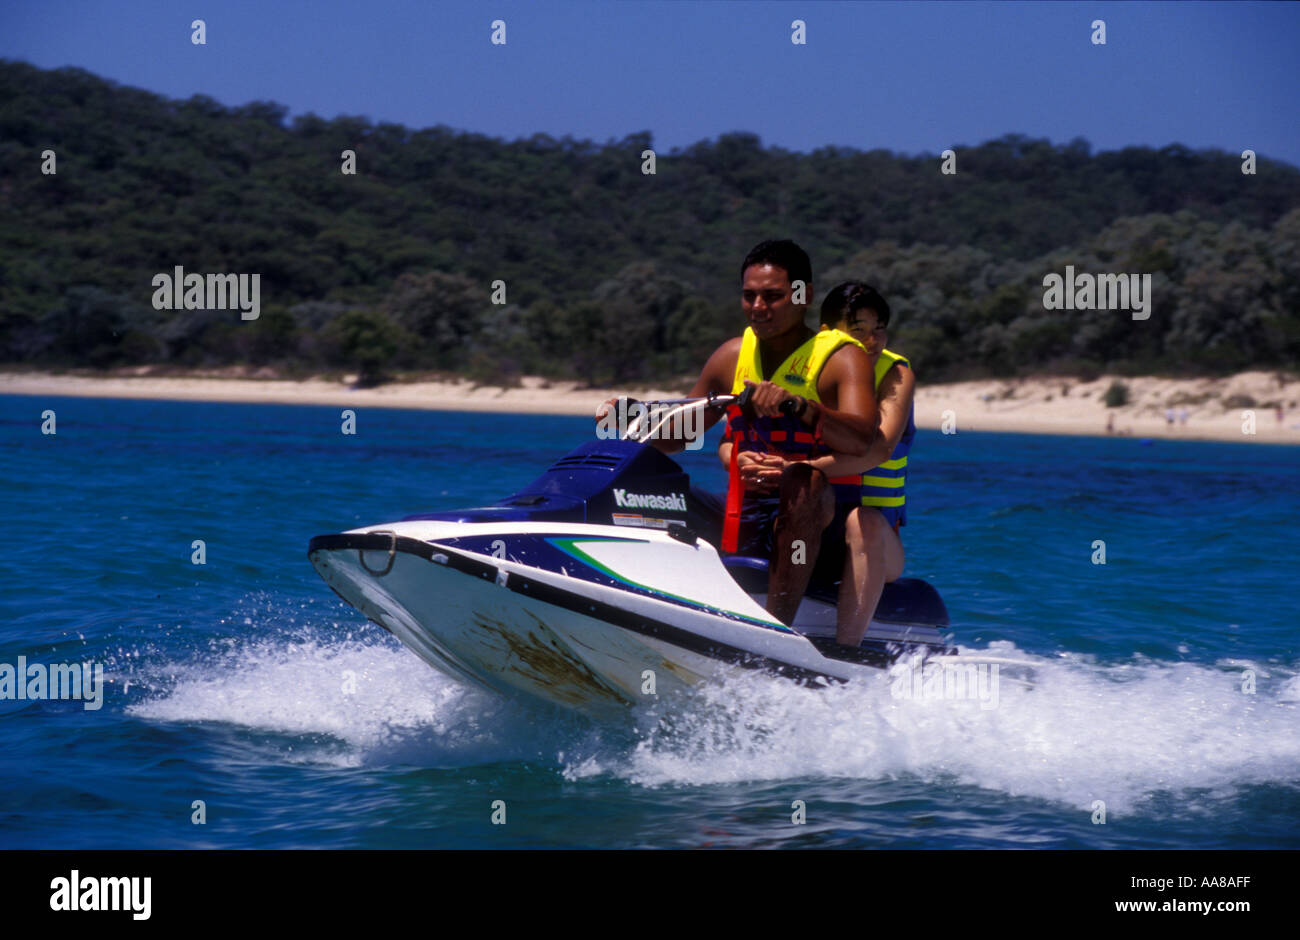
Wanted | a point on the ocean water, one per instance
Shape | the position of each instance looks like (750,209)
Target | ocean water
(222,681)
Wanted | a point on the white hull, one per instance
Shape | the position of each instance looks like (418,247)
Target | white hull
(454,594)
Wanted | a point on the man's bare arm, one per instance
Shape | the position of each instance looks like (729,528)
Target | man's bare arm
(715,379)
(717,375)
(849,428)
(896,393)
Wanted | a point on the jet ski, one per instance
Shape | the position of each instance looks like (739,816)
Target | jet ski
(600,585)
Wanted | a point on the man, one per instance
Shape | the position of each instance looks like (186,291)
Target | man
(875,548)
(778,503)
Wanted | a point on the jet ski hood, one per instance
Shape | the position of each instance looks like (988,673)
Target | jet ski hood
(602,482)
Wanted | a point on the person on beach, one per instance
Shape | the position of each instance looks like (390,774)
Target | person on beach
(779,504)
(876,553)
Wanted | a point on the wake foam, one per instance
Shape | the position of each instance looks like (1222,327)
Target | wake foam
(1079,732)
(374,702)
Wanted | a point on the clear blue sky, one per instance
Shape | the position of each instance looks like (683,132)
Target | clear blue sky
(912,78)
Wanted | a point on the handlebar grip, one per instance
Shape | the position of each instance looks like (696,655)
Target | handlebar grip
(745,402)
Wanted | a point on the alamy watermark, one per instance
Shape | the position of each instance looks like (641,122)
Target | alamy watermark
(37,681)
(78,893)
(1098,292)
(181,291)
(935,679)
(648,421)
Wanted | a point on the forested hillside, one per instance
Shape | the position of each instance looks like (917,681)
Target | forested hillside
(610,274)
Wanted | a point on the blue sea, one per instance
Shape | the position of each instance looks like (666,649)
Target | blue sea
(224,723)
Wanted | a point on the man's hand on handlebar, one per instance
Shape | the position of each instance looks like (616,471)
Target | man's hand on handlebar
(605,407)
(769,400)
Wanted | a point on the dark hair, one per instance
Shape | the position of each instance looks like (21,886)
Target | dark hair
(782,254)
(850,297)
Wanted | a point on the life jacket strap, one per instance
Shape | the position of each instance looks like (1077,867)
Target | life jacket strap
(735,492)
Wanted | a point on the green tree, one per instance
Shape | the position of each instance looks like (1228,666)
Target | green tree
(367,341)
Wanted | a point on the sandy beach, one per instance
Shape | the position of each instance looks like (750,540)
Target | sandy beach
(1226,409)
(1190,409)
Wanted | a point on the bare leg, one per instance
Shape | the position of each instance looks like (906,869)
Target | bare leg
(807,508)
(875,556)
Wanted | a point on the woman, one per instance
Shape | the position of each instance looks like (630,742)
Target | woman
(875,547)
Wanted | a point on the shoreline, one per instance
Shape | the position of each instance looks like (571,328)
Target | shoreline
(1201,409)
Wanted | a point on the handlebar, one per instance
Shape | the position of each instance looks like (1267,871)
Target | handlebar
(664,410)
(743,401)
(789,406)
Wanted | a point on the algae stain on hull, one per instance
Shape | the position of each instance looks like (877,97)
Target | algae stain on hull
(683,674)
(542,657)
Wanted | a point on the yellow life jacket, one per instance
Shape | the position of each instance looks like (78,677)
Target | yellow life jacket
(883,486)
(786,435)
(798,375)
